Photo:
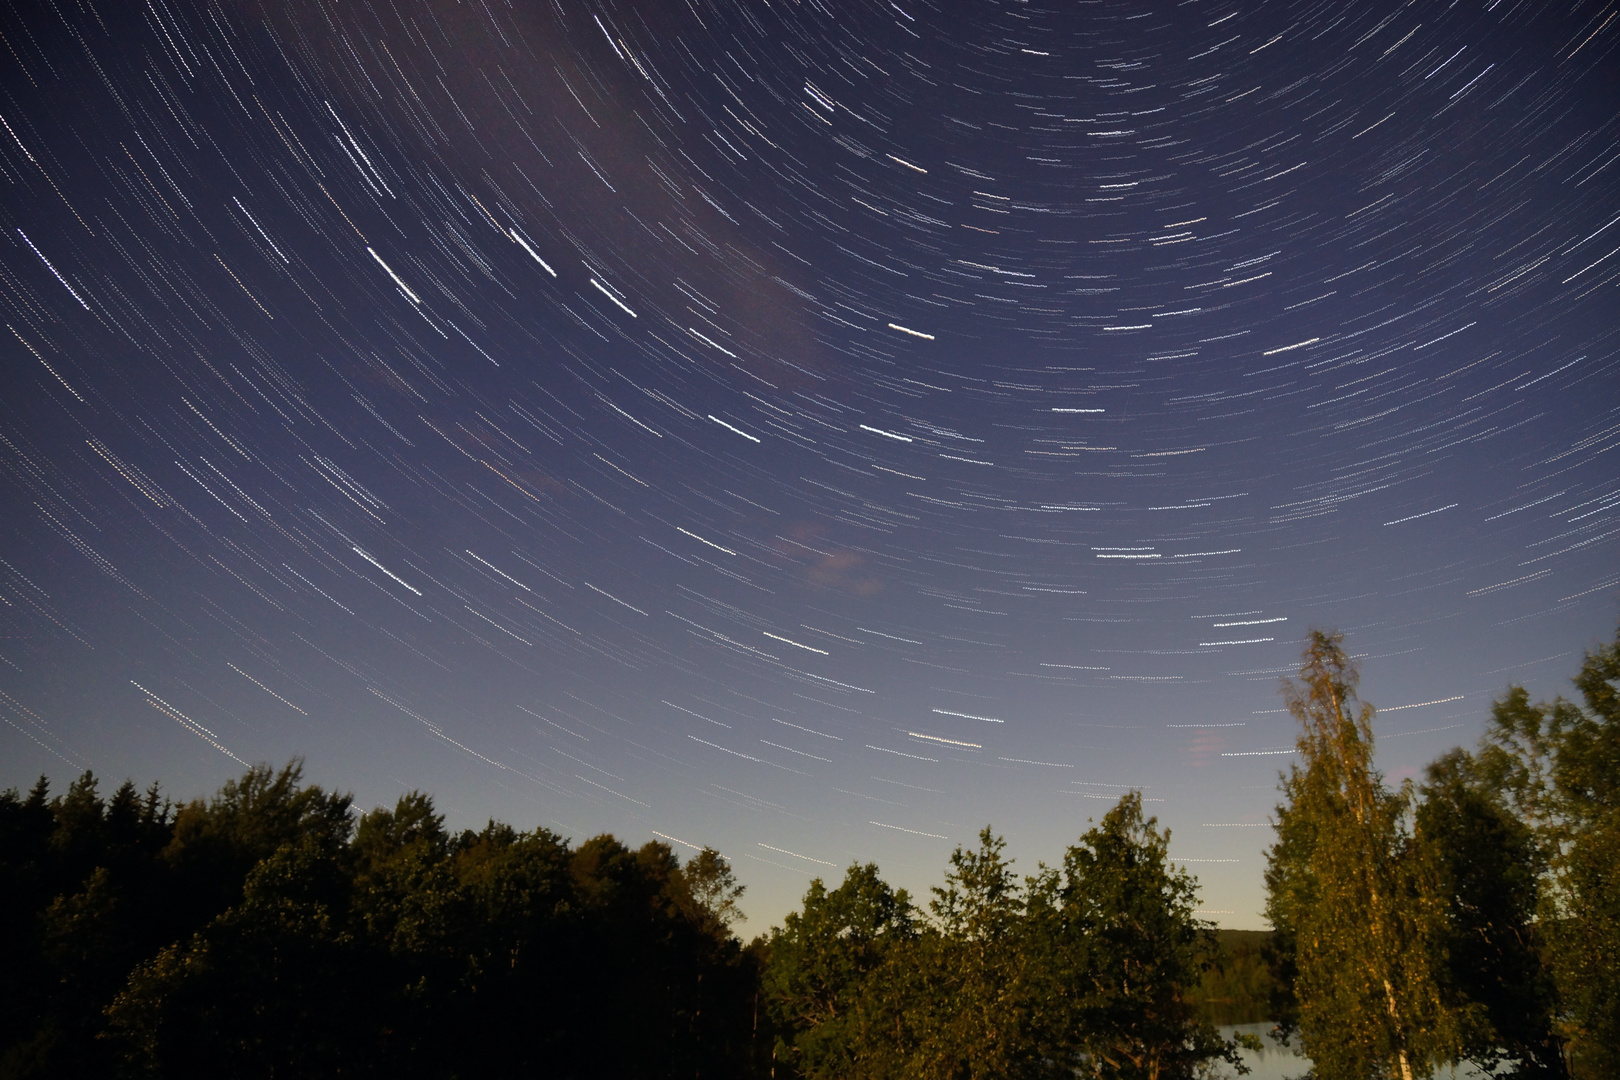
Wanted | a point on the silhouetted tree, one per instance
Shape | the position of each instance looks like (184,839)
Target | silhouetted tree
(79,896)
(1484,866)
(269,988)
(264,932)
(1557,764)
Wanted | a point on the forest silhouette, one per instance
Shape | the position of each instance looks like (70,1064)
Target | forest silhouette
(270,930)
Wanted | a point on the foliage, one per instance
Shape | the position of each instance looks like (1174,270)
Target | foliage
(1087,969)
(831,969)
(1136,951)
(1346,892)
(265,932)
(82,901)
(1483,866)
(975,994)
(269,931)
(1557,767)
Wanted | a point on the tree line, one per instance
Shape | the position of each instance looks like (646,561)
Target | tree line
(272,931)
(269,932)
(1473,916)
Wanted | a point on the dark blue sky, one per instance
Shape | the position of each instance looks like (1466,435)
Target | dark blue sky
(812,429)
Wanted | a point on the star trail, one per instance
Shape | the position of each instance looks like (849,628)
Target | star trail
(811,429)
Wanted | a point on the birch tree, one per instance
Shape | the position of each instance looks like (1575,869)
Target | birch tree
(1344,891)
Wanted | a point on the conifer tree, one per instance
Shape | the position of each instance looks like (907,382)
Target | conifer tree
(1345,891)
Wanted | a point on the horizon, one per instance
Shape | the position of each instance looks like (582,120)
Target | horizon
(808,432)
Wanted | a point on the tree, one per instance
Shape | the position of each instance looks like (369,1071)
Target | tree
(1130,954)
(977,1008)
(215,843)
(1482,864)
(1084,970)
(1557,765)
(1344,891)
(830,969)
(264,990)
(711,893)
(259,932)
(80,903)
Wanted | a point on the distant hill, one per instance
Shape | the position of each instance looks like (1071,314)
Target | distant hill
(1237,990)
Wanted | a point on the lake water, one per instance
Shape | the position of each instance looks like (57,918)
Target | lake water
(1278,1062)
(1275,1062)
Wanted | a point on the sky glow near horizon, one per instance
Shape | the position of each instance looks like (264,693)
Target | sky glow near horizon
(814,430)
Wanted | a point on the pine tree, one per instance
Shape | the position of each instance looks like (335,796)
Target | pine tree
(1345,891)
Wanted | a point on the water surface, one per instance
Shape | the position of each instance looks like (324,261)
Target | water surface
(1278,1062)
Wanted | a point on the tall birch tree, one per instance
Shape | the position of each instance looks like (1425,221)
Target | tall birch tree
(1345,891)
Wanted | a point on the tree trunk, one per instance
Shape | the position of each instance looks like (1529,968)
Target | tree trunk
(1394,1018)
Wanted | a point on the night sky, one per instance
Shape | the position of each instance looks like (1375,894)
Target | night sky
(812,429)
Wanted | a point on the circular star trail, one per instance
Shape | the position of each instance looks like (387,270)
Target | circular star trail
(812,429)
